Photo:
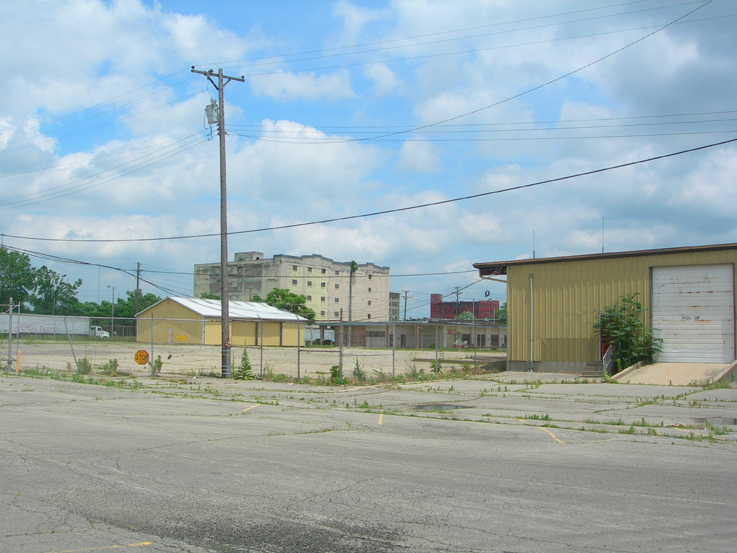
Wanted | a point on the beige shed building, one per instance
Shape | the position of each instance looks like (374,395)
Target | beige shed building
(197,321)
(552,304)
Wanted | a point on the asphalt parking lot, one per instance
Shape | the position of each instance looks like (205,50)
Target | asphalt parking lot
(498,465)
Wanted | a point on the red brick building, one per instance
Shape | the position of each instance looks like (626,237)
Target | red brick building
(482,309)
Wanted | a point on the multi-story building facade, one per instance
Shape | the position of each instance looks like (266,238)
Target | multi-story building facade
(394,308)
(328,285)
(482,309)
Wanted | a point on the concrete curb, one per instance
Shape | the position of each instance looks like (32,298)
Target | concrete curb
(628,370)
(727,374)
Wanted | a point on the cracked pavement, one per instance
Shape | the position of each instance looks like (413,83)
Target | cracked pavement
(495,464)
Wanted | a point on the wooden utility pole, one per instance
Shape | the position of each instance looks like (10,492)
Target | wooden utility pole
(138,284)
(406,293)
(224,306)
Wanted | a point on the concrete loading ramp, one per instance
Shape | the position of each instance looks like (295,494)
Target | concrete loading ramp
(677,374)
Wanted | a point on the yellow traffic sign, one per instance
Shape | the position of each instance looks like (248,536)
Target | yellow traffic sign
(141,357)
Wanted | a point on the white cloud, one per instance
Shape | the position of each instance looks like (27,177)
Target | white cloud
(384,79)
(307,86)
(420,157)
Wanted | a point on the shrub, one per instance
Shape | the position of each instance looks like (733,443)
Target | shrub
(621,326)
(84,366)
(158,363)
(243,371)
(358,373)
(110,368)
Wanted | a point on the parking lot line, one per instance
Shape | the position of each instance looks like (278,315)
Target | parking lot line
(249,408)
(544,430)
(381,417)
(104,547)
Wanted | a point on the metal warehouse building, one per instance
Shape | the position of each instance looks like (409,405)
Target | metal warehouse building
(552,304)
(197,321)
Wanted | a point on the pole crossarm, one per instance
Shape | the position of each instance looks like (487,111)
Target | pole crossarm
(210,73)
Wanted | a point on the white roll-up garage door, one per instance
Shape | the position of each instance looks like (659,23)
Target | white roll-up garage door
(693,312)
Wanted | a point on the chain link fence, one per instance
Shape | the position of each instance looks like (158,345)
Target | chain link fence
(356,350)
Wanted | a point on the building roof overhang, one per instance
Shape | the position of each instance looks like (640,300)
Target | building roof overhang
(495,268)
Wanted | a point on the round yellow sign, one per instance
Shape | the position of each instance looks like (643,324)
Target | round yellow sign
(141,357)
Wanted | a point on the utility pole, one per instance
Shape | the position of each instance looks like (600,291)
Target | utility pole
(458,301)
(406,293)
(138,284)
(224,306)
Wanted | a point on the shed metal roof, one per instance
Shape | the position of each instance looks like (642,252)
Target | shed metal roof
(249,310)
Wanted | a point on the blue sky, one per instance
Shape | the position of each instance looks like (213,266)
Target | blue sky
(102,134)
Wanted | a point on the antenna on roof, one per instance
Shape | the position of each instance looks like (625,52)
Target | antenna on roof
(602,234)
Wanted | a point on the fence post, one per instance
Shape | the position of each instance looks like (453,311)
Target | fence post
(475,347)
(10,334)
(340,351)
(436,346)
(261,345)
(151,359)
(70,344)
(299,349)
(394,343)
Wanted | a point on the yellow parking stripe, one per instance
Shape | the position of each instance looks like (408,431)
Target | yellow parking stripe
(249,408)
(141,544)
(543,429)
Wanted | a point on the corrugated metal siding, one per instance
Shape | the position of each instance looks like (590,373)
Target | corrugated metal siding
(569,293)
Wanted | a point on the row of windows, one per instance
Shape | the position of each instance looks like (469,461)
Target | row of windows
(322,284)
(322,271)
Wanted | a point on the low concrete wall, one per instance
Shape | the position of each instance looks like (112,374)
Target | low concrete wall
(568,367)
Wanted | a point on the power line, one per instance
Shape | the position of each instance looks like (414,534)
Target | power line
(386,211)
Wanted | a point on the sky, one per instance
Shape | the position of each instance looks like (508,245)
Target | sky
(349,108)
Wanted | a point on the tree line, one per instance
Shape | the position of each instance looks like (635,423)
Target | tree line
(43,291)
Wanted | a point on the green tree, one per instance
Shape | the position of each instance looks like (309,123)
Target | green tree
(289,301)
(52,294)
(125,308)
(501,314)
(622,326)
(16,277)
(464,316)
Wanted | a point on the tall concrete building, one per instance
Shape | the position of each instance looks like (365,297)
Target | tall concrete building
(327,284)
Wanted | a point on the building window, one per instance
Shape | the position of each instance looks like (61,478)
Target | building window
(337,286)
(309,298)
(294,267)
(322,313)
(337,273)
(368,316)
(309,283)
(337,300)
(369,302)
(322,298)
(309,269)
(294,283)
(322,285)
(336,313)
(323,271)
(370,277)
(369,289)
